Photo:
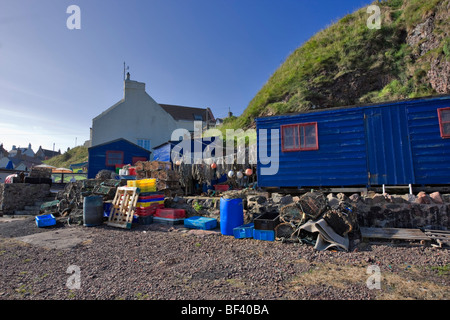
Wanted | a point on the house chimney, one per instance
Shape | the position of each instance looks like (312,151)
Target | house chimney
(132,87)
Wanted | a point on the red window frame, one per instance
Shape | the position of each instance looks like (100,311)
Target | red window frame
(301,137)
(109,153)
(444,135)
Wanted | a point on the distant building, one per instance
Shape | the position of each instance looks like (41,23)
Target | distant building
(142,121)
(3,152)
(17,152)
(44,154)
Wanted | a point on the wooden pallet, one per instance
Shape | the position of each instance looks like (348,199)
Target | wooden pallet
(393,233)
(123,207)
(440,236)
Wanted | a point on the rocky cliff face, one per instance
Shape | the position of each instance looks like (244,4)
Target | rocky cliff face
(426,37)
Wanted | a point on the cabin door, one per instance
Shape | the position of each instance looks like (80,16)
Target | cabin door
(389,158)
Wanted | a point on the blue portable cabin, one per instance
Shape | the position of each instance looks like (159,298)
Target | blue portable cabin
(396,143)
(117,152)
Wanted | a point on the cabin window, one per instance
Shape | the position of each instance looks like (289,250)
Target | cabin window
(444,122)
(113,158)
(299,137)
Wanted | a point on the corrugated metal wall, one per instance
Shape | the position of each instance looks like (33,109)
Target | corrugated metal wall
(392,144)
(97,155)
(388,148)
(340,160)
(430,153)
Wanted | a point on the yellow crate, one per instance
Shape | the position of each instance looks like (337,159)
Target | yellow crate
(132,183)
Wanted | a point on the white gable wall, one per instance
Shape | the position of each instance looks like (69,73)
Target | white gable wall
(135,117)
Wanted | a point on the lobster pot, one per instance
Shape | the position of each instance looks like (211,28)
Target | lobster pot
(92,211)
(284,231)
(313,204)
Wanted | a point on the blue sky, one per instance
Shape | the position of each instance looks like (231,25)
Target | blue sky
(198,53)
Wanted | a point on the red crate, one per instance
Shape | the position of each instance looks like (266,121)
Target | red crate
(169,213)
(221,187)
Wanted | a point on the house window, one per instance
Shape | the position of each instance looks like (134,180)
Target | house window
(299,137)
(198,117)
(113,158)
(444,122)
(144,143)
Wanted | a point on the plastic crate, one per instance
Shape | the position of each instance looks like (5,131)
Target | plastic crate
(149,204)
(267,221)
(171,213)
(145,220)
(168,221)
(244,231)
(46,220)
(265,235)
(144,212)
(200,223)
(221,187)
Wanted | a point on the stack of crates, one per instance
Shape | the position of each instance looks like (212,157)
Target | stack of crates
(264,226)
(149,200)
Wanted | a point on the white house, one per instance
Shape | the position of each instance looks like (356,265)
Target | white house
(141,120)
(25,151)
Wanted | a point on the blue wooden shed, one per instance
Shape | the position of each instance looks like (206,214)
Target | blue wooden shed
(397,143)
(117,152)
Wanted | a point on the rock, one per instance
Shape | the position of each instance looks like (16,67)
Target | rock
(355,197)
(397,199)
(333,201)
(423,198)
(378,198)
(342,197)
(436,197)
(257,199)
(446,198)
(286,200)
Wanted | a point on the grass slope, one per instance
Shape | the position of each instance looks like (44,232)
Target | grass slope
(72,156)
(348,63)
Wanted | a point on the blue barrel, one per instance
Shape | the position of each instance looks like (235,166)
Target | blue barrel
(231,215)
(93,211)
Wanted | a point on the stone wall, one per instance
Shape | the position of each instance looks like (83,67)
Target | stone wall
(16,196)
(403,211)
(372,210)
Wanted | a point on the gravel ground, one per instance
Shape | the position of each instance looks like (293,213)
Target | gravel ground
(158,262)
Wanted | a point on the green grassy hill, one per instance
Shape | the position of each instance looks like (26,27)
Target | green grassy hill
(348,63)
(72,156)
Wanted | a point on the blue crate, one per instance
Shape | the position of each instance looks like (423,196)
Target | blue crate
(244,231)
(200,223)
(46,220)
(265,235)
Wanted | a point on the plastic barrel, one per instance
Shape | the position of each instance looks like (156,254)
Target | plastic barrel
(93,211)
(231,215)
